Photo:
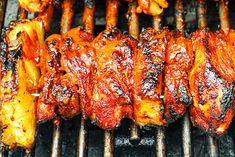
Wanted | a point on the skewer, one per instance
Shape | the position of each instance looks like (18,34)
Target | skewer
(67,15)
(88,21)
(111,13)
(111,22)
(160,131)
(65,25)
(186,136)
(133,23)
(201,12)
(88,16)
(223,14)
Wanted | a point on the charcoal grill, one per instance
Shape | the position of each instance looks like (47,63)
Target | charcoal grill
(78,137)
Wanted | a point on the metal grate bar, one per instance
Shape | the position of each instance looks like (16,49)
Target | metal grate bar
(160,142)
(82,139)
(213,146)
(108,143)
(186,136)
(133,24)
(56,142)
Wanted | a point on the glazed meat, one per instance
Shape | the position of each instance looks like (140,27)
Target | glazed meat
(18,80)
(58,94)
(222,54)
(111,94)
(148,69)
(34,5)
(77,61)
(211,109)
(179,60)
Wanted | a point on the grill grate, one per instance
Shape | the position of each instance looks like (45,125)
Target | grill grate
(158,141)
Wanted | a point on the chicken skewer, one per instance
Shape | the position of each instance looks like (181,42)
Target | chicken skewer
(22,121)
(133,24)
(160,131)
(186,137)
(66,20)
(222,112)
(111,21)
(88,21)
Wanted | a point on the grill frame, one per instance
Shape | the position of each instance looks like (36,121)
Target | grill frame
(109,135)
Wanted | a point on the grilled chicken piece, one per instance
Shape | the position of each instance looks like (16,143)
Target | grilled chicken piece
(179,60)
(151,7)
(111,94)
(18,80)
(148,69)
(211,109)
(77,62)
(58,93)
(34,5)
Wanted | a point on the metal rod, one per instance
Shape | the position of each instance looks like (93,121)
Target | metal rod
(108,143)
(82,139)
(160,142)
(55,148)
(88,16)
(223,14)
(111,13)
(213,146)
(157,22)
(67,15)
(201,13)
(186,136)
(179,18)
(133,20)
(133,24)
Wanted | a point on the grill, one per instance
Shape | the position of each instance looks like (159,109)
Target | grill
(78,137)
